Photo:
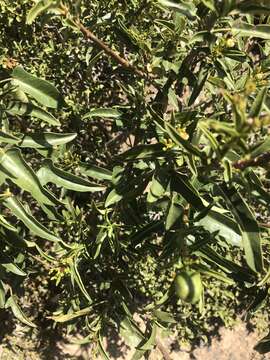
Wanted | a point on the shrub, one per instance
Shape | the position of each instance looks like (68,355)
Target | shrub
(170,102)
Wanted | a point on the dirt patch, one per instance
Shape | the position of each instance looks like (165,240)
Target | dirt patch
(228,344)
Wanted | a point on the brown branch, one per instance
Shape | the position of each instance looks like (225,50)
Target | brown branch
(90,36)
(123,62)
(262,160)
(265,225)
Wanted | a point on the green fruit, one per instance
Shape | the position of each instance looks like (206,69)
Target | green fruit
(188,286)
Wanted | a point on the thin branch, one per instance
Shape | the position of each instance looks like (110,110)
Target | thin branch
(123,62)
(90,36)
(46,266)
(262,160)
(265,225)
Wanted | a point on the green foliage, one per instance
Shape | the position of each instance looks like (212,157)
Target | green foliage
(164,105)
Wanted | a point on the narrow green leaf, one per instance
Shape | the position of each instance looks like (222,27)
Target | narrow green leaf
(234,54)
(210,4)
(261,148)
(210,137)
(17,311)
(150,342)
(175,212)
(102,351)
(113,197)
(8,138)
(11,267)
(220,127)
(27,109)
(185,8)
(51,174)
(33,225)
(250,7)
(181,185)
(41,90)
(212,273)
(144,232)
(185,144)
(2,295)
(39,8)
(6,224)
(258,103)
(199,84)
(164,316)
(158,185)
(96,172)
(68,317)
(14,167)
(216,221)
(103,113)
(240,273)
(77,278)
(143,152)
(45,140)
(247,30)
(249,226)
(126,189)
(130,332)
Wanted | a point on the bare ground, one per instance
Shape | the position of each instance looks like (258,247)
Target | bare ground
(234,344)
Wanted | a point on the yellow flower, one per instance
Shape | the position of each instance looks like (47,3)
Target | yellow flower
(250,87)
(230,43)
(182,132)
(168,144)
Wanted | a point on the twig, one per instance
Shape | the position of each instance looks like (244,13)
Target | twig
(89,35)
(265,225)
(46,266)
(261,160)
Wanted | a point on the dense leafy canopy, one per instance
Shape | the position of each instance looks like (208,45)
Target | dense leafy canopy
(134,144)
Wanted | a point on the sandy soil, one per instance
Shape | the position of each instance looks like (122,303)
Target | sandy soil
(235,344)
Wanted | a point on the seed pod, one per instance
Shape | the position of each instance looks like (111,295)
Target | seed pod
(188,286)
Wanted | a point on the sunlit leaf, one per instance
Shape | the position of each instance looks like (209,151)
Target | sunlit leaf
(51,174)
(247,30)
(15,168)
(40,7)
(19,211)
(103,113)
(68,317)
(249,226)
(41,90)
